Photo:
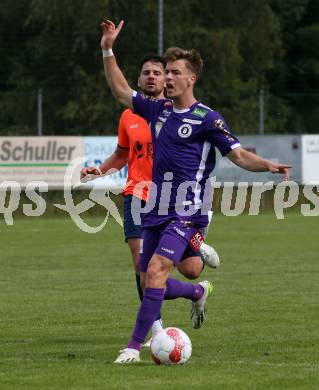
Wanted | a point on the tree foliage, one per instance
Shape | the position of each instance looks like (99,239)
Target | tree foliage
(247,46)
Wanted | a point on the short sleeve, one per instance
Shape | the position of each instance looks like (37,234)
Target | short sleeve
(123,139)
(219,134)
(147,108)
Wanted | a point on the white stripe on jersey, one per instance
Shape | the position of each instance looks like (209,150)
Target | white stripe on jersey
(199,174)
(203,105)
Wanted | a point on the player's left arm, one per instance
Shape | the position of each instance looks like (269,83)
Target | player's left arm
(253,162)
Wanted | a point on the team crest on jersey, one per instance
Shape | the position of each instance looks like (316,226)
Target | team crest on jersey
(158,127)
(219,124)
(185,130)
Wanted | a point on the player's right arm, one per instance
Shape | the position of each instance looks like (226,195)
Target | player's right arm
(117,160)
(113,74)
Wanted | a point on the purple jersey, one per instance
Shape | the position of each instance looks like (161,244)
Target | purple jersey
(184,144)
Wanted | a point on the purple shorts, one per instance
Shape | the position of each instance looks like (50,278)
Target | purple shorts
(170,240)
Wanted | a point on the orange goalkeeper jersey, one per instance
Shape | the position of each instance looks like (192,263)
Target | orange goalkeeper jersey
(134,134)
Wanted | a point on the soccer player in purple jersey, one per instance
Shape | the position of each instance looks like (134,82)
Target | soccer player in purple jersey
(151,83)
(185,133)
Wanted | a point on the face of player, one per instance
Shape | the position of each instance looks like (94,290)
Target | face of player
(178,79)
(151,79)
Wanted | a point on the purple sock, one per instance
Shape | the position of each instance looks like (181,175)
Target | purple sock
(177,289)
(149,309)
(140,292)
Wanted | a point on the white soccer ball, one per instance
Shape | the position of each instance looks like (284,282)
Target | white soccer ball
(171,346)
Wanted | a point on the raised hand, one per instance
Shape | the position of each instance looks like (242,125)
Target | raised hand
(110,33)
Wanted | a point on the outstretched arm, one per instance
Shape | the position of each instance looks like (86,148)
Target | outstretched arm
(254,163)
(117,160)
(114,76)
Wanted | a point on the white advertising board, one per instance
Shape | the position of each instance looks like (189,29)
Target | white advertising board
(96,150)
(26,159)
(310,159)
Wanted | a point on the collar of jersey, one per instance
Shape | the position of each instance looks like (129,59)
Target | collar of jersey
(181,111)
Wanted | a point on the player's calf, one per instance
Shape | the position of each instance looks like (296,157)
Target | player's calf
(191,267)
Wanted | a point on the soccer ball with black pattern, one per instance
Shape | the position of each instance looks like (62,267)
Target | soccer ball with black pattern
(171,346)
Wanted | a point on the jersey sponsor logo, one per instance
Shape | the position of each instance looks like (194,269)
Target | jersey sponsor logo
(149,150)
(170,251)
(201,112)
(192,121)
(134,126)
(138,149)
(146,151)
(158,128)
(219,124)
(228,135)
(179,231)
(185,130)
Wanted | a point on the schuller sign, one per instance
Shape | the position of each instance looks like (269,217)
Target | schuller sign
(25,159)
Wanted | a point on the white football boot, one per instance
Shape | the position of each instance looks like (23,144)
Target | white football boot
(209,255)
(147,344)
(198,312)
(156,327)
(127,356)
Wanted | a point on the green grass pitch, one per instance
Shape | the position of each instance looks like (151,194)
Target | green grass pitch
(68,304)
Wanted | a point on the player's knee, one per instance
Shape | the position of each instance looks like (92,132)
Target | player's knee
(155,269)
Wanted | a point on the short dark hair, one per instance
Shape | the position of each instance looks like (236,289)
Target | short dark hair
(192,57)
(152,57)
